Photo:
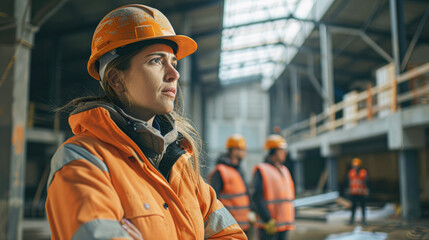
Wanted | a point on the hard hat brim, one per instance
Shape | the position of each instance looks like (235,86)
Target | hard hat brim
(185,47)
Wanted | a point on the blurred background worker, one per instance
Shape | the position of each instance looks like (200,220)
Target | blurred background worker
(357,182)
(274,192)
(227,180)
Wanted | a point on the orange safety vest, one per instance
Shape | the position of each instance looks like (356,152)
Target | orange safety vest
(357,182)
(101,176)
(279,193)
(234,194)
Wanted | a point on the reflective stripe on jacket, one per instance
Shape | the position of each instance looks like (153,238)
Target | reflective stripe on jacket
(234,194)
(279,193)
(100,176)
(357,182)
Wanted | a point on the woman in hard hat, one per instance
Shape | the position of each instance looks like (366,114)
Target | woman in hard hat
(131,170)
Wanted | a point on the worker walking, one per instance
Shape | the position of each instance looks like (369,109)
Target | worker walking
(227,179)
(274,192)
(131,171)
(357,182)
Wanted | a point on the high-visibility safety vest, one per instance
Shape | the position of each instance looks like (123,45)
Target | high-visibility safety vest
(234,194)
(101,176)
(279,193)
(357,182)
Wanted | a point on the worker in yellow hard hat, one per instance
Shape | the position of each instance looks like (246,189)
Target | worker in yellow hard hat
(228,180)
(274,192)
(131,171)
(357,188)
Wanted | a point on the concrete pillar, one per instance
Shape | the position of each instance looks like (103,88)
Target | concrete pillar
(409,183)
(327,65)
(331,165)
(407,142)
(15,44)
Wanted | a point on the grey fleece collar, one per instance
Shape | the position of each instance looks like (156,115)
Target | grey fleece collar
(152,142)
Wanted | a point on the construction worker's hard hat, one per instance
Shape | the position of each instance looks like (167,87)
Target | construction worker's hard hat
(130,24)
(236,141)
(356,162)
(275,141)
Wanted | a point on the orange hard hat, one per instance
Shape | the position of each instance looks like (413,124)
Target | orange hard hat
(130,24)
(275,141)
(236,141)
(356,162)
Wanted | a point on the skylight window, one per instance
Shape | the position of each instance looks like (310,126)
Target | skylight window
(261,37)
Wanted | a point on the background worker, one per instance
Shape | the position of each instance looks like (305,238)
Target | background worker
(357,182)
(131,171)
(274,192)
(228,181)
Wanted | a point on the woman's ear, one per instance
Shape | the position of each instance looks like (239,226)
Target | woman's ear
(115,80)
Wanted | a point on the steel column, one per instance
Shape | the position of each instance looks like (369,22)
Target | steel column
(327,65)
(296,94)
(408,170)
(409,183)
(15,49)
(298,167)
(332,168)
(398,33)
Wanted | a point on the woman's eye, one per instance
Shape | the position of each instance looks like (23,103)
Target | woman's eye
(156,60)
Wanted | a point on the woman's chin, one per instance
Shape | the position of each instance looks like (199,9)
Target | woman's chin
(166,110)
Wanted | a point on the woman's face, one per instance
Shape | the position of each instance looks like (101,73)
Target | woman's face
(151,82)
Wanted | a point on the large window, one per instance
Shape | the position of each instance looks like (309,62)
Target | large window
(260,38)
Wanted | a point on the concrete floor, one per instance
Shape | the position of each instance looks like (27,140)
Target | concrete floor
(396,229)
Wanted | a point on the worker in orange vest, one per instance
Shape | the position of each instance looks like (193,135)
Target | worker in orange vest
(228,181)
(274,192)
(357,182)
(131,170)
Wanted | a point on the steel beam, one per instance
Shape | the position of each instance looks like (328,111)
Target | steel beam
(312,76)
(416,37)
(365,38)
(46,12)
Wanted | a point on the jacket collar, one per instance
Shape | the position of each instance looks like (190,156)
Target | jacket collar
(111,124)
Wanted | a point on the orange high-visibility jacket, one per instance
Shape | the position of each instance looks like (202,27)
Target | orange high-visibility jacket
(100,176)
(357,182)
(279,193)
(234,194)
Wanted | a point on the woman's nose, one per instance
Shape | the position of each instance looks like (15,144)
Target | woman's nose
(171,73)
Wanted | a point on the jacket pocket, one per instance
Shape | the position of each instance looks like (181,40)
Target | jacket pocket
(143,207)
(148,217)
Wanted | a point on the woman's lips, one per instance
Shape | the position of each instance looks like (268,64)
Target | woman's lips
(171,92)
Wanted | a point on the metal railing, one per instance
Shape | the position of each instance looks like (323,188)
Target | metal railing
(366,105)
